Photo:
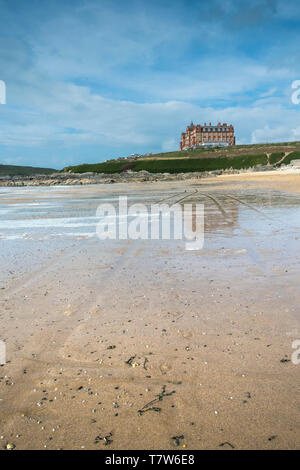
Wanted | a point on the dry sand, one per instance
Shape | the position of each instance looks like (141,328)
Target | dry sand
(284,180)
(96,332)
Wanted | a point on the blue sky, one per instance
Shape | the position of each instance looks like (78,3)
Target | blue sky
(89,80)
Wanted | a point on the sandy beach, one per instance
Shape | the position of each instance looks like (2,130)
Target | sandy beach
(141,344)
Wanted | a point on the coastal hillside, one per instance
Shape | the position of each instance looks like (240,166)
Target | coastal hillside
(14,170)
(199,160)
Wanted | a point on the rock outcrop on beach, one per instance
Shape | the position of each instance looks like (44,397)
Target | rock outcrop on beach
(104,178)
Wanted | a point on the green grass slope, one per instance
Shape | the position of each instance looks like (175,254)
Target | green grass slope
(276,157)
(174,165)
(203,159)
(13,170)
(292,156)
(200,164)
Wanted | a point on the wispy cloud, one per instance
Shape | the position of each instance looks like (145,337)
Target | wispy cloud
(92,79)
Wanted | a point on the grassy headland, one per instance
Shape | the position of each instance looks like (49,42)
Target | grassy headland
(199,160)
(13,170)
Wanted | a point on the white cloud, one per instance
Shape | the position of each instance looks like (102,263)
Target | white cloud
(268,93)
(148,70)
(78,117)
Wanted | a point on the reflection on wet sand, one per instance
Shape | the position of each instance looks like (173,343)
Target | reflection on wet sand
(128,343)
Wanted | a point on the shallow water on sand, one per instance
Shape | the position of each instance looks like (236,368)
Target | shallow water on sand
(34,222)
(210,329)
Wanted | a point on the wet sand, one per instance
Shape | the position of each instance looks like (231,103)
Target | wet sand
(128,344)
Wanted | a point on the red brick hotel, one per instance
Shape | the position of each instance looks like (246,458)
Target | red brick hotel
(207,135)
